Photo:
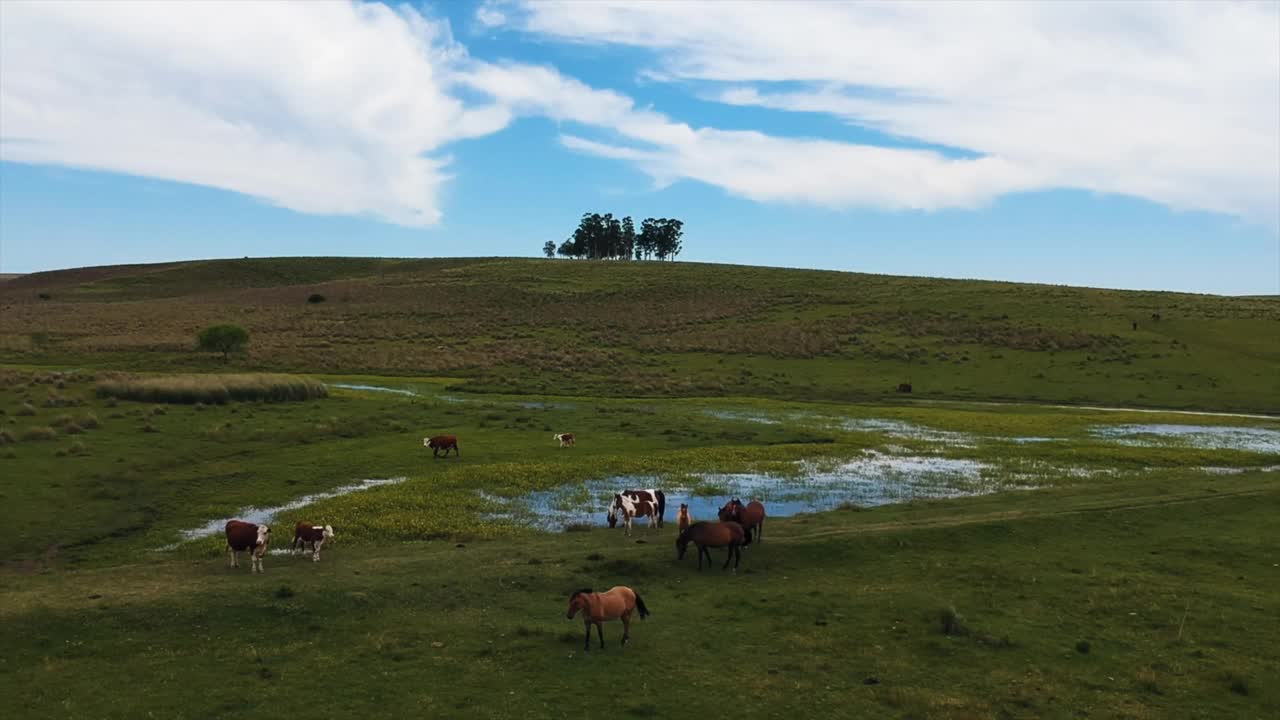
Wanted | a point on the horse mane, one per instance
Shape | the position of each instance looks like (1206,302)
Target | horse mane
(583,591)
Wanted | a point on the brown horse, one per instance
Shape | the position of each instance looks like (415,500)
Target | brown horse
(617,603)
(684,519)
(749,516)
(713,535)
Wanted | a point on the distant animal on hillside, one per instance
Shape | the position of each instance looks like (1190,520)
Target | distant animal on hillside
(617,603)
(1155,317)
(708,535)
(749,516)
(442,442)
(656,499)
(316,535)
(1135,324)
(247,537)
(565,439)
(904,387)
(685,518)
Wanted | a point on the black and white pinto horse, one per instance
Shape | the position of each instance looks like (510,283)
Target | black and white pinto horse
(631,504)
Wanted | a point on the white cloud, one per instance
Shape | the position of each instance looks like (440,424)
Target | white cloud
(488,15)
(349,108)
(831,174)
(317,107)
(749,164)
(1174,102)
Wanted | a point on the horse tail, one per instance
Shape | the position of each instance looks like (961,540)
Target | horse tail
(644,611)
(662,506)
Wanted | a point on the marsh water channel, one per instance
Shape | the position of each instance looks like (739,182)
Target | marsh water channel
(887,474)
(874,479)
(268,515)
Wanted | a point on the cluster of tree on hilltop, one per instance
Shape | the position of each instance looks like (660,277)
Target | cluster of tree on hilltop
(604,237)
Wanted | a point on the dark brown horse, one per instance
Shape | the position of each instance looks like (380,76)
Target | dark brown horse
(713,535)
(749,516)
(617,603)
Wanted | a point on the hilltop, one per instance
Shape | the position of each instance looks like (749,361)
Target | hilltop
(636,329)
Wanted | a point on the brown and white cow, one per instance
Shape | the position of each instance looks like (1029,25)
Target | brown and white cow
(442,442)
(565,439)
(630,504)
(304,533)
(247,537)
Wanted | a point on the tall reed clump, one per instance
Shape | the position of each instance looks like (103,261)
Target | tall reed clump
(214,389)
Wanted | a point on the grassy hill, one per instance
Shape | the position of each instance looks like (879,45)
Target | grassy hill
(650,328)
(635,329)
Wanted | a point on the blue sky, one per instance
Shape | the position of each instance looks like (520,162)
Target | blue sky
(830,136)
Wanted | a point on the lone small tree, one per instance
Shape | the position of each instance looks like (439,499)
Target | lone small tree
(225,338)
(549,248)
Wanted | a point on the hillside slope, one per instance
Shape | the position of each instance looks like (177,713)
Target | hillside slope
(620,328)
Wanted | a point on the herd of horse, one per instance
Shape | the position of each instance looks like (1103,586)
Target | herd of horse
(738,525)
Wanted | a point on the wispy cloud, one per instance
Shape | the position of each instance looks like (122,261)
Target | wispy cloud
(1178,103)
(317,107)
(350,108)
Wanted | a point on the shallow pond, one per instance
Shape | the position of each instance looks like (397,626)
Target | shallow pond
(1207,437)
(874,479)
(260,515)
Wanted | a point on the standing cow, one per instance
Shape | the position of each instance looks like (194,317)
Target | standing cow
(248,537)
(565,439)
(442,442)
(304,533)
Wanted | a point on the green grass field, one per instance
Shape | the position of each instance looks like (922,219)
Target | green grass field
(1031,561)
(659,330)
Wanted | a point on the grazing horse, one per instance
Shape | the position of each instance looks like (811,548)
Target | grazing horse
(653,496)
(565,439)
(442,442)
(316,535)
(617,603)
(749,516)
(247,537)
(685,518)
(630,509)
(708,535)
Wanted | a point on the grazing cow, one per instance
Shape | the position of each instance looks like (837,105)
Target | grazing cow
(656,498)
(304,533)
(565,439)
(684,519)
(749,516)
(442,442)
(247,537)
(904,387)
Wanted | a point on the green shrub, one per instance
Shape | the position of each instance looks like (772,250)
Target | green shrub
(214,389)
(226,339)
(40,433)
